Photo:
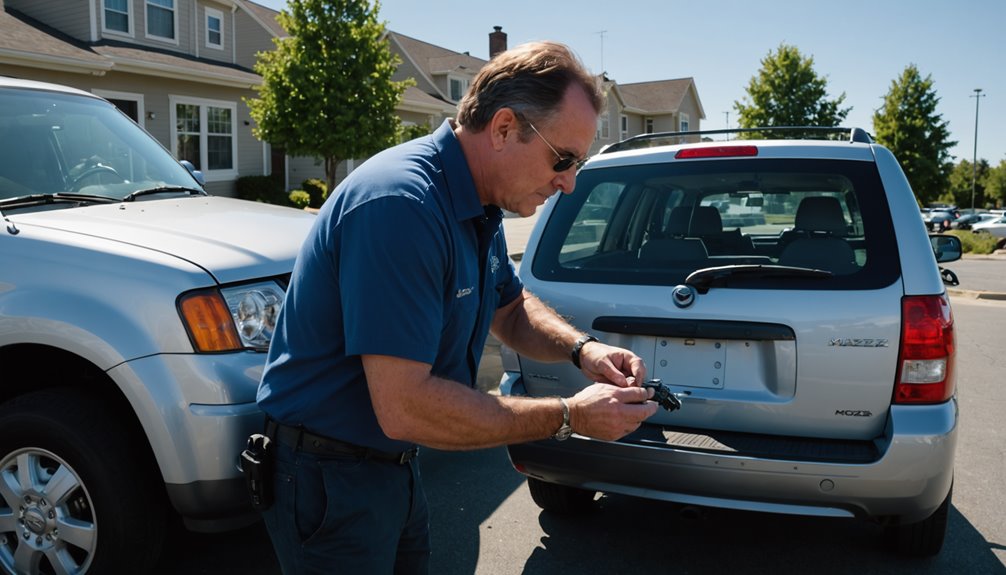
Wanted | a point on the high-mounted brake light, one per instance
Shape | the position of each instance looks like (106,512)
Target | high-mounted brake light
(716,152)
(926,358)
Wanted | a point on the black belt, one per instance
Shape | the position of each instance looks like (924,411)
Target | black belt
(303,440)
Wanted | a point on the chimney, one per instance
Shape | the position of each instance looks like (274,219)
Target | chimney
(497,41)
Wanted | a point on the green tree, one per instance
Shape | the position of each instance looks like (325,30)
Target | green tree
(995,186)
(327,90)
(788,92)
(959,184)
(908,125)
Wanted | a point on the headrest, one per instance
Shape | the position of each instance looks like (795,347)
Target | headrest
(706,220)
(820,214)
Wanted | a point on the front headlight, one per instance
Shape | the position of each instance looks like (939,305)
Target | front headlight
(232,318)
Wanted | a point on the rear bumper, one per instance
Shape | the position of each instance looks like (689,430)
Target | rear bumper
(910,478)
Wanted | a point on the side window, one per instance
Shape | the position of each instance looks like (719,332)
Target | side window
(591,222)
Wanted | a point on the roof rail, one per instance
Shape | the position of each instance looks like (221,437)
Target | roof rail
(662,138)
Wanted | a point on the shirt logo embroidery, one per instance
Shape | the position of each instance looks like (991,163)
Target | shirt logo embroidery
(494,264)
(464,291)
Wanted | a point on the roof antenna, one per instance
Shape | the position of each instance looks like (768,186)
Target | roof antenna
(601,33)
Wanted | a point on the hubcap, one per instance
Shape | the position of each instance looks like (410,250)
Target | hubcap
(46,519)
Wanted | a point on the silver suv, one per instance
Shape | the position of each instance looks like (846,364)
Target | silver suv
(135,310)
(786,292)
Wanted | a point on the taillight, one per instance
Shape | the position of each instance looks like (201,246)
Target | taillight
(716,152)
(926,364)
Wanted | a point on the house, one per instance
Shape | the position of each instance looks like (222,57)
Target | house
(180,68)
(183,69)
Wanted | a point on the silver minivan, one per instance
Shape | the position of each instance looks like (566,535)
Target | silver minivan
(786,292)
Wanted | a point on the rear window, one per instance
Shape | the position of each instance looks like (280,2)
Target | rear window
(655,224)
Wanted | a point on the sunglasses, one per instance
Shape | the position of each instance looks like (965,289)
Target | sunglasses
(565,162)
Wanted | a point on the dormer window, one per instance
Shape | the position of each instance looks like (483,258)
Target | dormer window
(458,87)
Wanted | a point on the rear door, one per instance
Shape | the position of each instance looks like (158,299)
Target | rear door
(768,288)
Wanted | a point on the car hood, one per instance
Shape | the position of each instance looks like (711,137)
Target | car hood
(233,240)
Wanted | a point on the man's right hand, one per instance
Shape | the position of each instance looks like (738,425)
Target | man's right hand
(605,411)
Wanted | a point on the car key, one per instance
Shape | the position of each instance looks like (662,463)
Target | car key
(663,395)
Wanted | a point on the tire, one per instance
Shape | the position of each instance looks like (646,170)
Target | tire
(925,538)
(560,498)
(74,489)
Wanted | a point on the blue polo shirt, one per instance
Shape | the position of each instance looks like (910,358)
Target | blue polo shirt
(391,267)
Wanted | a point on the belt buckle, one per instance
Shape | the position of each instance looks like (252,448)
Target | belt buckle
(408,455)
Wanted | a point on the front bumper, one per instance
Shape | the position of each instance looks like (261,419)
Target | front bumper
(197,412)
(909,479)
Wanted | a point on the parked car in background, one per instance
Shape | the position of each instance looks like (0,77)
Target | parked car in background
(966,221)
(811,347)
(996,227)
(135,311)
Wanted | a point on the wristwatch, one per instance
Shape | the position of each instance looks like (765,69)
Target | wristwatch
(575,353)
(564,430)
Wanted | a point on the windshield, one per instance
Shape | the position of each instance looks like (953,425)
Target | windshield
(53,143)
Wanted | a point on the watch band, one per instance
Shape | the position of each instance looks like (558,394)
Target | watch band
(575,353)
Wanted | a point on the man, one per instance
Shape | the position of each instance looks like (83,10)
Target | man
(393,294)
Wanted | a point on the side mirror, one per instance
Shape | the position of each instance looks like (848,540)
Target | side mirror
(195,173)
(946,248)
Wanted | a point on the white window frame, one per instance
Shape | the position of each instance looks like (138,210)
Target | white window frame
(214,13)
(128,96)
(174,15)
(129,21)
(463,81)
(623,126)
(203,103)
(683,123)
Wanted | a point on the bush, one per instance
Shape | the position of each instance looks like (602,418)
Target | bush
(267,189)
(300,199)
(980,243)
(317,190)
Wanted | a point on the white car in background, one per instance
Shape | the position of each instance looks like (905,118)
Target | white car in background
(996,227)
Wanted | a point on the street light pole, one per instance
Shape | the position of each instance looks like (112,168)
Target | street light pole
(974,160)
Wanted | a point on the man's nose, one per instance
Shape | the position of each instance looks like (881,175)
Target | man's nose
(565,181)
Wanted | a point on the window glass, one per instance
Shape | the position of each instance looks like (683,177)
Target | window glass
(117,15)
(219,138)
(658,223)
(161,18)
(458,88)
(214,29)
(188,134)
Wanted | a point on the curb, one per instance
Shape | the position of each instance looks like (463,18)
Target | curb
(975,294)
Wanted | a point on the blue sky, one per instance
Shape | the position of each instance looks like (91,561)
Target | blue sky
(859,46)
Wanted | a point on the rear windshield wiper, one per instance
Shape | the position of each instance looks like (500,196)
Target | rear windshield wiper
(704,278)
(164,190)
(59,197)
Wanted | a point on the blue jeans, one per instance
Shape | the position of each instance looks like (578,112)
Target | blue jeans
(343,514)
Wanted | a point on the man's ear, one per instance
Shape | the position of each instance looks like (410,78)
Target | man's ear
(502,127)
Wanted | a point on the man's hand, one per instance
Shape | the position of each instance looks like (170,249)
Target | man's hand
(604,411)
(609,364)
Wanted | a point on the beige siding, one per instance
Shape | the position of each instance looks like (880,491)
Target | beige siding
(407,70)
(251,39)
(72,18)
(226,54)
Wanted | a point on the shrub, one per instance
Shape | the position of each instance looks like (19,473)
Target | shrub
(267,189)
(316,189)
(300,199)
(980,243)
